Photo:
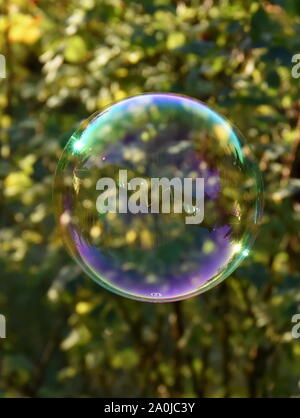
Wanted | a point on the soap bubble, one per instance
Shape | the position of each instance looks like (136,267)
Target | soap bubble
(157,197)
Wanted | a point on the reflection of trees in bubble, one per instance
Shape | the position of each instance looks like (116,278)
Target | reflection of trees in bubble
(158,141)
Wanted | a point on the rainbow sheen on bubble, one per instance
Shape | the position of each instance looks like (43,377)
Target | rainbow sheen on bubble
(158,257)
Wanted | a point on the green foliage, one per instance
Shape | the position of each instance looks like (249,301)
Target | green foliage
(65,335)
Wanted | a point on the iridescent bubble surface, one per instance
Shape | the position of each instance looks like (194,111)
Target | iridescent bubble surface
(156,255)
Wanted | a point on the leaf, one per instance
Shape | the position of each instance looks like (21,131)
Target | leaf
(25,29)
(197,47)
(75,49)
(175,40)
